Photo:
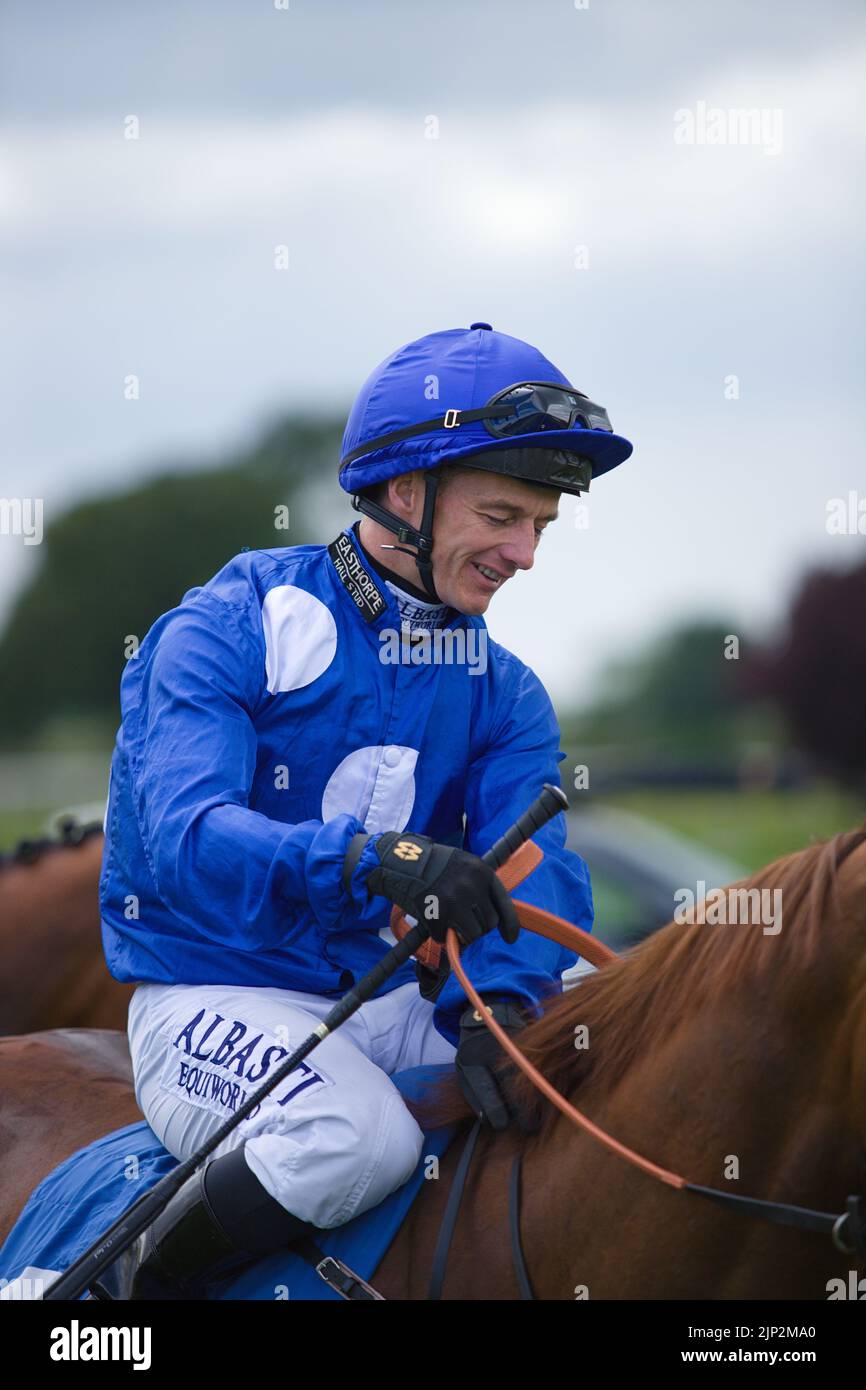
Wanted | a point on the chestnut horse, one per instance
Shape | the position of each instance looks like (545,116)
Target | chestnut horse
(52,967)
(734,1055)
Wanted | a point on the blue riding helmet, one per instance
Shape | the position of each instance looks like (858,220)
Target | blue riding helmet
(478,398)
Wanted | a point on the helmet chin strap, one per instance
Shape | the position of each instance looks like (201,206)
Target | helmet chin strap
(421,538)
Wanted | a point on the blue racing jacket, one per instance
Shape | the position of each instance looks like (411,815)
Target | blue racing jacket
(265,721)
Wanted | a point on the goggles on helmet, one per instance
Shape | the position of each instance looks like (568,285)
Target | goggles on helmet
(536,406)
(528,407)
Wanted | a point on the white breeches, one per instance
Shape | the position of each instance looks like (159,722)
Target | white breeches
(334,1138)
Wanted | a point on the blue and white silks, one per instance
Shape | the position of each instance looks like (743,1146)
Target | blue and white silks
(261,729)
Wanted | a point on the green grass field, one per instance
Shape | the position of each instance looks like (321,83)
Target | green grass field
(22,825)
(753,827)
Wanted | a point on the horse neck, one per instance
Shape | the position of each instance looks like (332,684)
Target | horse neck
(749,1093)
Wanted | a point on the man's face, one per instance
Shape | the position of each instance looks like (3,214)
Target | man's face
(486,527)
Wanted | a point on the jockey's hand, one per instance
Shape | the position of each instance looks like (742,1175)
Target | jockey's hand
(440,885)
(478,1054)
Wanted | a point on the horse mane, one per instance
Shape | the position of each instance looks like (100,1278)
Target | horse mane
(627,1006)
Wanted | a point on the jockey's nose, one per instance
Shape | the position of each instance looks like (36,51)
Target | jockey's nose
(519,549)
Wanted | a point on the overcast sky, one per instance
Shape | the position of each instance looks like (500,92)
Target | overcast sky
(556,128)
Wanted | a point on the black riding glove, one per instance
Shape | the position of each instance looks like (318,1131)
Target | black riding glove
(438,885)
(479,1054)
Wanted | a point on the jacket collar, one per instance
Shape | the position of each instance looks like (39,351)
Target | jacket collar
(368,593)
(371,599)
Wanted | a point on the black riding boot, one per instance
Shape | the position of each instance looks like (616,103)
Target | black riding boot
(220,1219)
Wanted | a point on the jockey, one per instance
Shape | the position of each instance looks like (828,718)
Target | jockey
(317,733)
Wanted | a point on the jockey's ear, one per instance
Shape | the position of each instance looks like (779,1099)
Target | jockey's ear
(406,496)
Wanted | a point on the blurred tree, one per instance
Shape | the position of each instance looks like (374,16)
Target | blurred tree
(816,673)
(679,693)
(111,566)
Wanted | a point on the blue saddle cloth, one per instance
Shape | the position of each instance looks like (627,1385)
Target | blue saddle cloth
(81,1198)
